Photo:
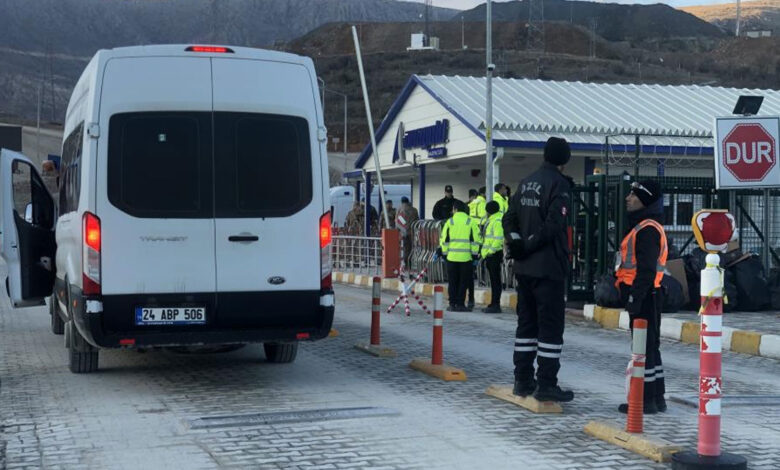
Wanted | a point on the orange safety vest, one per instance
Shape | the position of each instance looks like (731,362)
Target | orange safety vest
(625,271)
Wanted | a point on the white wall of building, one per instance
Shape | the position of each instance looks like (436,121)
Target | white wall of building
(422,110)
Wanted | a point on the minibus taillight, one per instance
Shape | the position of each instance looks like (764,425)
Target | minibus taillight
(210,49)
(91,254)
(326,237)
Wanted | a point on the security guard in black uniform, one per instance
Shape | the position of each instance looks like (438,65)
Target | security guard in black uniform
(535,228)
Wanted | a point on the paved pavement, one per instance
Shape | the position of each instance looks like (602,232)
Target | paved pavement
(137,410)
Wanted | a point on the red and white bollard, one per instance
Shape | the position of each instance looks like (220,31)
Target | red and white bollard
(375,302)
(709,455)
(634,423)
(438,325)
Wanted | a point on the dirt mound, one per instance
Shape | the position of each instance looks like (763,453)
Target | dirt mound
(336,38)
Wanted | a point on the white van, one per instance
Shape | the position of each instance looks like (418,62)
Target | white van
(192,206)
(342,198)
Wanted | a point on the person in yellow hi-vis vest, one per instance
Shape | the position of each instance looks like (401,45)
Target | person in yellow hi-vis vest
(459,245)
(477,205)
(493,254)
(500,197)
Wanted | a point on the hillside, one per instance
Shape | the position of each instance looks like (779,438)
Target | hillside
(336,38)
(48,42)
(755,15)
(614,22)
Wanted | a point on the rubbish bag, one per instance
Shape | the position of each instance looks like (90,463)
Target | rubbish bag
(752,286)
(694,263)
(774,288)
(731,292)
(606,294)
(672,295)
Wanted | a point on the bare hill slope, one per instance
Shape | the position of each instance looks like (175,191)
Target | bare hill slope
(755,15)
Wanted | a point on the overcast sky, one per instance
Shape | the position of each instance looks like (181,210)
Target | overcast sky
(468,4)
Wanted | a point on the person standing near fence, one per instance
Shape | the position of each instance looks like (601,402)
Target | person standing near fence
(390,214)
(459,244)
(493,254)
(442,210)
(500,197)
(643,254)
(406,216)
(535,228)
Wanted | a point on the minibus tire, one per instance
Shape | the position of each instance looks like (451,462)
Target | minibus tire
(82,356)
(280,353)
(57,324)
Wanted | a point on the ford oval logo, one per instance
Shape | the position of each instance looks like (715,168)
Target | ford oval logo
(276,280)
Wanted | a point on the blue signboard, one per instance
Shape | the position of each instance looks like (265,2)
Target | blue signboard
(431,138)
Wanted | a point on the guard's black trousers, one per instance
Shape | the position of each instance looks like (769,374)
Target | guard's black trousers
(459,276)
(541,311)
(493,264)
(650,310)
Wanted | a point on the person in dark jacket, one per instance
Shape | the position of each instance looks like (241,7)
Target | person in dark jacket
(442,210)
(643,254)
(535,229)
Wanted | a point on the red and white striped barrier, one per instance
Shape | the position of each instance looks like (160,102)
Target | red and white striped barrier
(405,291)
(708,454)
(437,356)
(634,423)
(710,380)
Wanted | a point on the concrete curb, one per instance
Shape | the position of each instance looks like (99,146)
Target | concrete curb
(481,296)
(741,341)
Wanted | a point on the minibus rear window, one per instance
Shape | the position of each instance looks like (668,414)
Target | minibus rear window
(262,164)
(159,164)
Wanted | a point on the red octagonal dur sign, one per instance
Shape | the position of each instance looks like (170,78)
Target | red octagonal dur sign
(748,153)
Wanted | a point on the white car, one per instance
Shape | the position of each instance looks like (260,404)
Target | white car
(193,206)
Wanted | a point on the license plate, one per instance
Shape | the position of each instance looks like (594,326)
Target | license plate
(170,315)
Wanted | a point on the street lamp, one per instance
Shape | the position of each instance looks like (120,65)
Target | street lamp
(489,104)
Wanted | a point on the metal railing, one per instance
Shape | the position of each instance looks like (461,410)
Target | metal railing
(357,254)
(425,241)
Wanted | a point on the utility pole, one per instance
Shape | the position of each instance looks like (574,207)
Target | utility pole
(536,25)
(489,103)
(739,10)
(428,4)
(462,32)
(38,125)
(593,22)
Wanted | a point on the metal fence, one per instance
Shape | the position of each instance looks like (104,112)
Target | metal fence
(357,254)
(599,221)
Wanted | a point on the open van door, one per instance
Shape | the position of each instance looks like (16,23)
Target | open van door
(27,242)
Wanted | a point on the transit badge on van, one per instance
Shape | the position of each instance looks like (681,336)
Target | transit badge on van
(276,280)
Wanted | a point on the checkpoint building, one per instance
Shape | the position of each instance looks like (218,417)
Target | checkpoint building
(434,133)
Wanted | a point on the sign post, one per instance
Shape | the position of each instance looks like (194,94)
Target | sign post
(747,150)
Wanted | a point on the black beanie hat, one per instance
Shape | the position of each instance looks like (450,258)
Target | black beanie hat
(492,207)
(557,151)
(648,191)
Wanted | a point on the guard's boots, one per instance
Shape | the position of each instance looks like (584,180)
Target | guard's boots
(649,408)
(555,393)
(660,403)
(523,388)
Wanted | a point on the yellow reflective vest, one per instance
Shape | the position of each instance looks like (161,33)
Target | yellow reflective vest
(503,204)
(460,238)
(494,236)
(477,209)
